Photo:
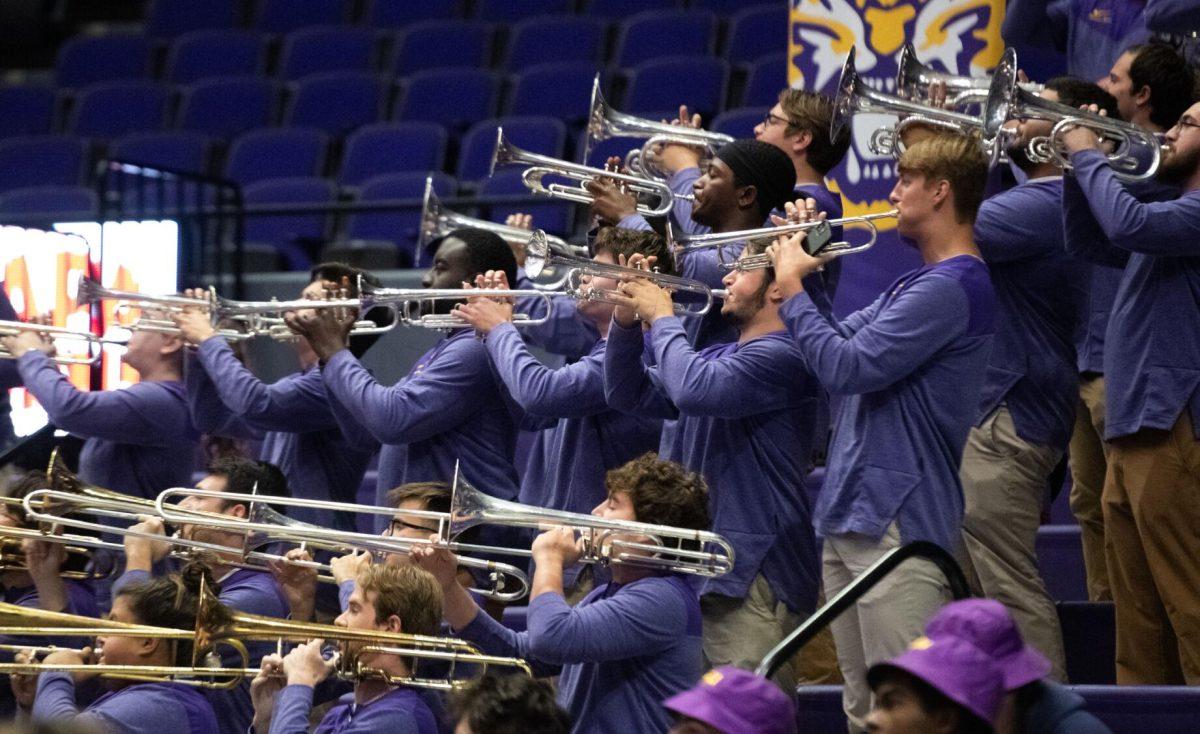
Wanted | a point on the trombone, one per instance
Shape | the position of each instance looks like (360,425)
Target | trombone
(540,166)
(264,525)
(538,255)
(16,328)
(1136,152)
(13,559)
(604,122)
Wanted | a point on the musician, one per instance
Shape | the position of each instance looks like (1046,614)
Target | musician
(584,438)
(134,707)
(241,589)
(910,367)
(135,437)
(1147,83)
(395,599)
(630,643)
(1092,33)
(450,408)
(742,416)
(9,377)
(291,416)
(730,700)
(1027,409)
(1152,403)
(512,704)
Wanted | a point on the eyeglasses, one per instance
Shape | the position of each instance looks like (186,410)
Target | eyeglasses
(772,117)
(1183,122)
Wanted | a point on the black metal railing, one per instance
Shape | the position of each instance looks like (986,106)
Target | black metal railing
(855,590)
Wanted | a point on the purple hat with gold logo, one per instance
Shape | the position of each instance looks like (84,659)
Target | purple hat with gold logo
(955,668)
(736,701)
(987,625)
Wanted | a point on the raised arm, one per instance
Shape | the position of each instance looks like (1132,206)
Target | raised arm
(572,391)
(1037,22)
(1082,234)
(209,414)
(1172,16)
(564,332)
(627,383)
(295,403)
(1019,224)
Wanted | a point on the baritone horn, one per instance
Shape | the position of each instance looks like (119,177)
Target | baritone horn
(914,78)
(604,122)
(538,167)
(538,255)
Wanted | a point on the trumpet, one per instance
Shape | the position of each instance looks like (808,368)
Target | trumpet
(264,525)
(914,78)
(410,299)
(605,541)
(16,328)
(1136,152)
(604,122)
(539,166)
(538,255)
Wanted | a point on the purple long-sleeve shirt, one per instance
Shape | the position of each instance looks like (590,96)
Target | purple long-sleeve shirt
(744,420)
(1152,355)
(1093,33)
(299,432)
(141,708)
(81,600)
(139,440)
(911,367)
(565,332)
(399,711)
(1040,292)
(449,408)
(623,650)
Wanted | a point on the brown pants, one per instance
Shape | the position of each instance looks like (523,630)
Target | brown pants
(1152,541)
(1089,464)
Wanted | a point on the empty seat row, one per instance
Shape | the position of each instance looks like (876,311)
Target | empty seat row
(201,54)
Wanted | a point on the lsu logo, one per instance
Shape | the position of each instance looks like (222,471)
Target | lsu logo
(959,36)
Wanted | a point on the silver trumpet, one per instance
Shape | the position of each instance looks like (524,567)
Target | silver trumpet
(265,526)
(409,300)
(540,166)
(93,342)
(605,541)
(604,122)
(1136,152)
(538,256)
(686,244)
(914,78)
(854,97)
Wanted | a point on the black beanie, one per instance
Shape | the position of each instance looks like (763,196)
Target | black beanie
(488,251)
(763,166)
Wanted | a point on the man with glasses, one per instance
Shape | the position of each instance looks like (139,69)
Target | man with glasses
(1152,366)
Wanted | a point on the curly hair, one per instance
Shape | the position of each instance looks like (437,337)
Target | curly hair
(174,601)
(662,492)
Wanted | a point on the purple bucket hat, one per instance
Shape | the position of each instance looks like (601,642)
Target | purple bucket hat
(955,668)
(987,625)
(736,701)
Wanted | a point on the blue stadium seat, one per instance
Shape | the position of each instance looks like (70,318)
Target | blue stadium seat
(1060,561)
(41,160)
(178,150)
(554,39)
(545,135)
(555,217)
(391,147)
(26,109)
(437,44)
(113,109)
(756,32)
(739,123)
(511,11)
(620,9)
(765,78)
(696,81)
(276,153)
(395,14)
(228,107)
(400,227)
(556,90)
(727,7)
(604,149)
(216,53)
(298,237)
(284,16)
(337,102)
(327,48)
(455,98)
(85,60)
(641,37)
(170,18)
(75,202)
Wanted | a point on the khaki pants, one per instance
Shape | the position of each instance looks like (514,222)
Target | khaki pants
(884,621)
(740,632)
(1152,541)
(1004,487)
(1089,463)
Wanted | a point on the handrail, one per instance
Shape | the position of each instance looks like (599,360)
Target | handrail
(855,590)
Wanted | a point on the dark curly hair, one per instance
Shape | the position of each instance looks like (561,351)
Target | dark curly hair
(662,492)
(173,601)
(244,476)
(514,704)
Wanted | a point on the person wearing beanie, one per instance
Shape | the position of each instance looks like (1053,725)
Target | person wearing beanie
(730,700)
(1032,704)
(943,686)
(909,368)
(450,410)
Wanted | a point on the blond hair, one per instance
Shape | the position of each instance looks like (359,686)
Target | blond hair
(812,112)
(955,159)
(406,591)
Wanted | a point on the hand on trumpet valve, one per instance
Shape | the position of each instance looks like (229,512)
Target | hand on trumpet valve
(558,547)
(1081,137)
(483,313)
(348,567)
(298,582)
(670,158)
(27,341)
(325,329)
(524,221)
(648,301)
(441,563)
(611,202)
(195,325)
